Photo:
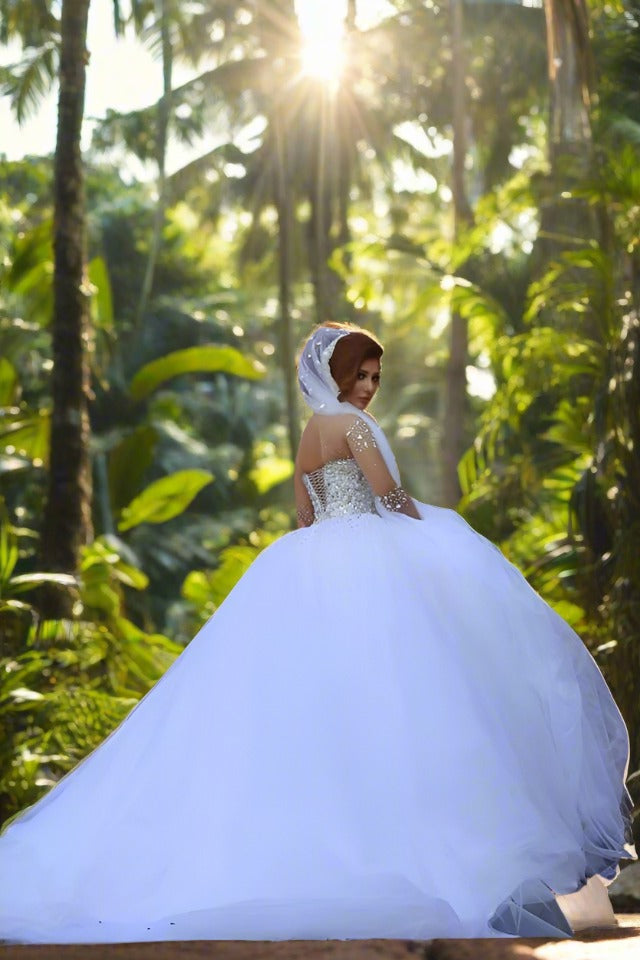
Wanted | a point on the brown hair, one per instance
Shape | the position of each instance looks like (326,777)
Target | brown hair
(349,353)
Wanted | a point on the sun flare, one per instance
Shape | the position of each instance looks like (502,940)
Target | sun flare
(323,61)
(322,30)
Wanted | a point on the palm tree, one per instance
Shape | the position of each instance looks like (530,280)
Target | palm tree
(67,517)
(566,222)
(59,48)
(456,377)
(163,123)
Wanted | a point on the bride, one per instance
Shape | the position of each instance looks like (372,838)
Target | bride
(382,732)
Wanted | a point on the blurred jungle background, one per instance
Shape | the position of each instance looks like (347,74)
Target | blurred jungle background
(460,176)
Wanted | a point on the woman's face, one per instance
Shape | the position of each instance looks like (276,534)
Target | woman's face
(366,385)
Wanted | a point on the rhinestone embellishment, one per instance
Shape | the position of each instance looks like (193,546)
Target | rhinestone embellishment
(360,437)
(339,489)
(395,499)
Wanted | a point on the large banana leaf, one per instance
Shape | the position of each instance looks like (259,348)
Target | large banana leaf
(165,498)
(205,359)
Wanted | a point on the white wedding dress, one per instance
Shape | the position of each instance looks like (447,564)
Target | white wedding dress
(382,732)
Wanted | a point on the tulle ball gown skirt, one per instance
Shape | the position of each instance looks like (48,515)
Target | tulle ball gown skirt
(382,732)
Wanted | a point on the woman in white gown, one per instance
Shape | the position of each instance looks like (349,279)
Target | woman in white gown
(382,732)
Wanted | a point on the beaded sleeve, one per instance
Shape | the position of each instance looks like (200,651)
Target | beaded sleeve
(362,443)
(360,438)
(396,499)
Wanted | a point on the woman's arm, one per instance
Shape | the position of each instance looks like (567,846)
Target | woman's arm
(364,448)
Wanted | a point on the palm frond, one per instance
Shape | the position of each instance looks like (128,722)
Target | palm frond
(31,79)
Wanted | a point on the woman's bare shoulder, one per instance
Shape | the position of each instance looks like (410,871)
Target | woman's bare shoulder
(334,421)
(323,438)
(325,427)
(327,424)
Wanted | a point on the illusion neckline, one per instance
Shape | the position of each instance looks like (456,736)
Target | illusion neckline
(308,473)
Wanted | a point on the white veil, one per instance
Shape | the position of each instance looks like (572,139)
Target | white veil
(320,391)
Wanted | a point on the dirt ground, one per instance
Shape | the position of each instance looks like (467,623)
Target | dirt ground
(621,943)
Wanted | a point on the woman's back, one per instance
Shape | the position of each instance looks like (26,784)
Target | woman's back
(323,439)
(345,440)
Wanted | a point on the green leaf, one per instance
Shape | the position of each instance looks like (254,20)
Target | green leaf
(269,472)
(31,272)
(130,576)
(101,562)
(101,302)
(8,383)
(29,81)
(127,464)
(165,498)
(570,612)
(133,634)
(206,589)
(29,581)
(8,548)
(205,359)
(235,562)
(197,589)
(97,594)
(26,435)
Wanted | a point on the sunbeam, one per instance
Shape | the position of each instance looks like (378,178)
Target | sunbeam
(322,29)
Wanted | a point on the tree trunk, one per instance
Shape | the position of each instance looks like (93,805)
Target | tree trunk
(277,27)
(456,376)
(569,66)
(67,516)
(162,138)
(320,225)
(567,223)
(344,157)
(285,230)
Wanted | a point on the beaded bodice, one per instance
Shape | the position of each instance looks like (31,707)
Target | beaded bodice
(338,489)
